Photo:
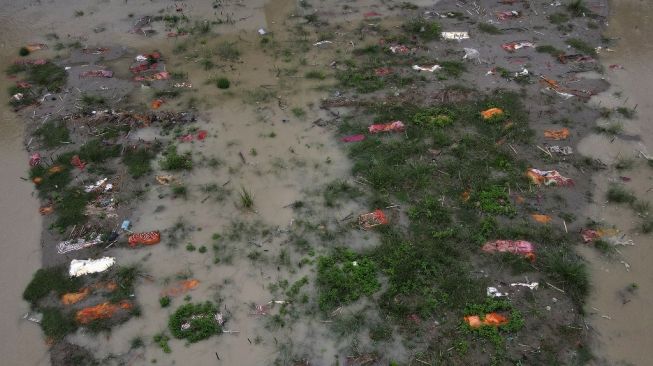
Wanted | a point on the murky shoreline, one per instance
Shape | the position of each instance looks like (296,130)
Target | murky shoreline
(621,336)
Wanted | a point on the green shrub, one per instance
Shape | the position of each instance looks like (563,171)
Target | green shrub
(428,30)
(619,194)
(165,301)
(46,280)
(138,161)
(344,277)
(23,51)
(200,316)
(53,134)
(173,161)
(56,324)
(223,83)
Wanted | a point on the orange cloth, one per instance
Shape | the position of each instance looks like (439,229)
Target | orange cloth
(156,104)
(148,238)
(101,311)
(491,319)
(492,112)
(181,288)
(542,219)
(560,134)
(75,297)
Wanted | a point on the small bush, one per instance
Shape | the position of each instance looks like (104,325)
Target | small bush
(223,83)
(558,18)
(426,29)
(581,46)
(46,280)
(162,341)
(165,301)
(138,161)
(173,161)
(23,51)
(228,51)
(53,133)
(246,198)
(548,49)
(315,74)
(344,277)
(200,317)
(619,194)
(298,112)
(56,324)
(489,28)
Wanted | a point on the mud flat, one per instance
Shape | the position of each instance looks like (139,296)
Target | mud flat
(303,183)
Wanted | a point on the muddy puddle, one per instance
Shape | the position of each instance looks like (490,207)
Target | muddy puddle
(621,299)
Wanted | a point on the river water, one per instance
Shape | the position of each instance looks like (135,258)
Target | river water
(621,319)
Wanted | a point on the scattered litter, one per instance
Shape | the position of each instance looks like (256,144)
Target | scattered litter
(102,311)
(542,219)
(561,134)
(491,319)
(183,85)
(372,14)
(491,113)
(46,210)
(80,267)
(176,34)
(394,126)
(262,31)
(95,51)
(532,286)
(520,247)
(590,235)
(201,135)
(507,15)
(562,150)
(513,46)
(96,74)
(77,244)
(77,162)
(494,292)
(524,72)
(163,75)
(548,177)
(600,49)
(125,225)
(322,43)
(181,288)
(578,58)
(165,179)
(472,54)
(100,185)
(401,49)
(455,35)
(427,68)
(156,104)
(372,219)
(353,138)
(383,71)
(34,317)
(17,96)
(35,159)
(146,238)
(36,46)
(616,67)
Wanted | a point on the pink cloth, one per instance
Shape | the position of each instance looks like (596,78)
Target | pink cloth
(353,138)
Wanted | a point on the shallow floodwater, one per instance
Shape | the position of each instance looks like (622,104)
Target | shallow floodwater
(623,318)
(22,342)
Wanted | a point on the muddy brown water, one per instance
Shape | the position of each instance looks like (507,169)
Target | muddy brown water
(622,319)
(300,157)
